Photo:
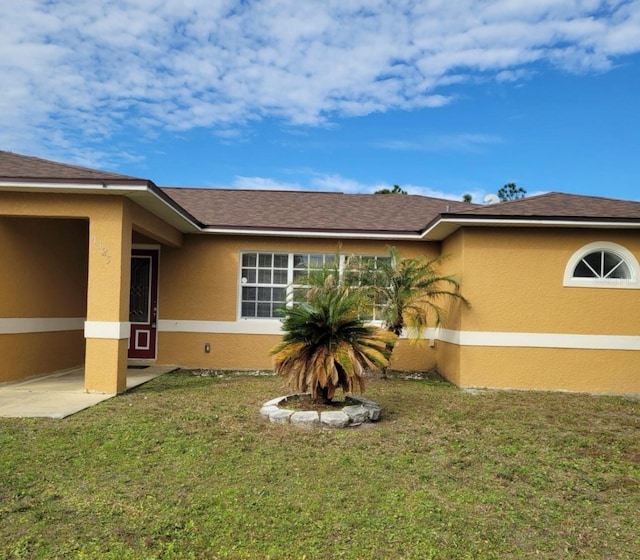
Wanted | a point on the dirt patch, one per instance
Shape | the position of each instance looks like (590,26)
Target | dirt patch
(305,402)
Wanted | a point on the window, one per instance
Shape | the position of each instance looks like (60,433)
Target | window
(304,264)
(371,264)
(264,283)
(270,280)
(602,265)
(267,280)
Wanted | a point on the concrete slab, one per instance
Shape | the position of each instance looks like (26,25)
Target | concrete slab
(62,394)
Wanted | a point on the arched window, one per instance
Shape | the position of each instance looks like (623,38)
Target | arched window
(602,265)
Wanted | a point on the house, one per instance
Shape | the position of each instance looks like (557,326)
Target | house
(98,268)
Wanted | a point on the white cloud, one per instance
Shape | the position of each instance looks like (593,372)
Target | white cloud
(466,142)
(333,182)
(77,72)
(338,183)
(476,195)
(264,184)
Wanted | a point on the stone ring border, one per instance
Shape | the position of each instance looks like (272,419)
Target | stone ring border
(358,410)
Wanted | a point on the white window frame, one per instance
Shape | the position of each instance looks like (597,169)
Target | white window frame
(309,269)
(290,286)
(621,283)
(375,317)
(243,283)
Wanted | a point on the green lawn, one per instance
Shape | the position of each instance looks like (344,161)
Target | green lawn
(184,467)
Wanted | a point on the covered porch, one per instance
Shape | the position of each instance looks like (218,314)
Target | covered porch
(66,296)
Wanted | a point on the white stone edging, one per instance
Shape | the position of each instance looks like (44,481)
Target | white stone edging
(357,411)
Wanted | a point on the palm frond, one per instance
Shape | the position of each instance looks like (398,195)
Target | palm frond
(344,356)
(374,357)
(409,289)
(286,350)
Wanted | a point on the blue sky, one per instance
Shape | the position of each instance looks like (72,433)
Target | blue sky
(443,97)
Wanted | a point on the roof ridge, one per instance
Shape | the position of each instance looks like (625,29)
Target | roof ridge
(563,194)
(598,197)
(521,199)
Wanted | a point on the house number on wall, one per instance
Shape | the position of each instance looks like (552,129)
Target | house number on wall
(102,249)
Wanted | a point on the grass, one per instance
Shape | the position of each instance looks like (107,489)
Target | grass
(183,467)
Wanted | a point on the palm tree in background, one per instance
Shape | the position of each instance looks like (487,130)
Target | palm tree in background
(409,293)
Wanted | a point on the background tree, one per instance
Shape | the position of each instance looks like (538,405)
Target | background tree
(327,344)
(467,197)
(511,192)
(395,190)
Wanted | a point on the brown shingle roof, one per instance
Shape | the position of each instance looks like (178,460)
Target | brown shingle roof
(559,206)
(24,168)
(311,211)
(300,211)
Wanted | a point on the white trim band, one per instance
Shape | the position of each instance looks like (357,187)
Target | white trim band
(107,329)
(314,234)
(540,340)
(459,338)
(245,326)
(40,324)
(249,326)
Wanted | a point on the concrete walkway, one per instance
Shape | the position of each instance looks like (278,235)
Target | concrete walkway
(62,394)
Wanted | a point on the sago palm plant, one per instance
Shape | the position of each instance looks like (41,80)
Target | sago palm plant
(327,344)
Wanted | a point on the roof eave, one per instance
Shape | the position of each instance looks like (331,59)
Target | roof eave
(147,195)
(445,225)
(320,234)
(142,192)
(70,186)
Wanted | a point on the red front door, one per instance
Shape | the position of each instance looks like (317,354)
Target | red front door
(143,303)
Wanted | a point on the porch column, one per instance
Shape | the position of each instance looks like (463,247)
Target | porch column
(107,326)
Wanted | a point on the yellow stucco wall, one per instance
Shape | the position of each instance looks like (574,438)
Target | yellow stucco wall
(40,257)
(514,277)
(109,262)
(26,355)
(199,282)
(228,351)
(43,277)
(453,264)
(561,369)
(153,228)
(448,361)
(514,280)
